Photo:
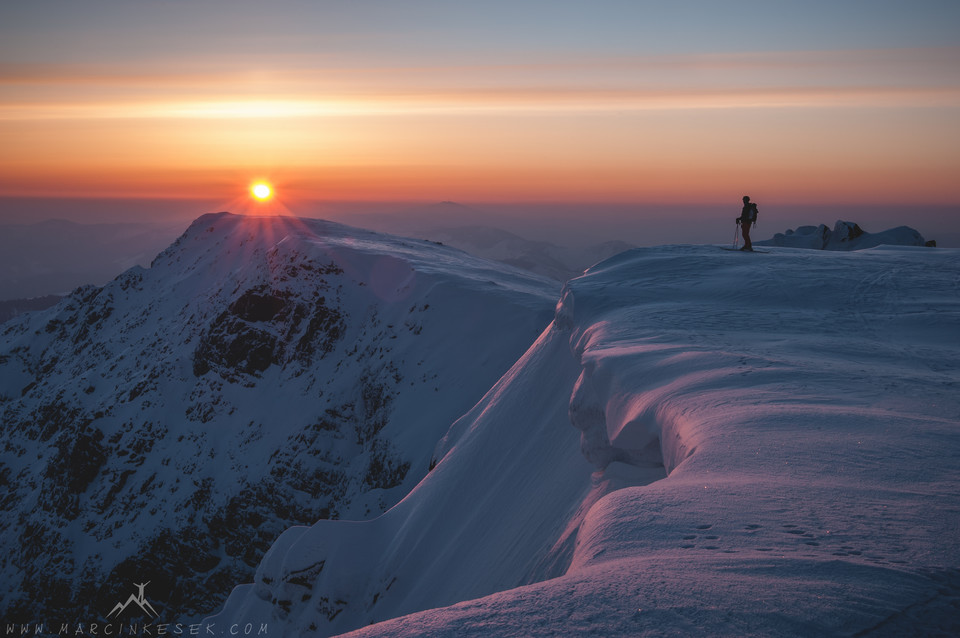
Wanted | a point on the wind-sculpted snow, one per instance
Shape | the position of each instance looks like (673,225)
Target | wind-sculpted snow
(262,373)
(702,443)
(485,494)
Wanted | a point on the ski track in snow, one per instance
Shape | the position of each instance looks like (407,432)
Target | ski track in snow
(699,444)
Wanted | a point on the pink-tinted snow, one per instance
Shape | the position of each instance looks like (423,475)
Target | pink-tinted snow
(702,443)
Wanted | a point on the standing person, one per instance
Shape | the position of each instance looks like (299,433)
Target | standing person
(748,217)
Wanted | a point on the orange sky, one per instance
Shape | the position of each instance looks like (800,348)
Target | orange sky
(864,125)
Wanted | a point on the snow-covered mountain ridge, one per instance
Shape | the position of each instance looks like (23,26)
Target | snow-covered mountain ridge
(702,442)
(262,373)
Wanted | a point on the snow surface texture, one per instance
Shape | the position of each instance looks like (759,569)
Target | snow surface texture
(703,442)
(263,373)
(844,236)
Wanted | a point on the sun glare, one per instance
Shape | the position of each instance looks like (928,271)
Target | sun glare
(261,191)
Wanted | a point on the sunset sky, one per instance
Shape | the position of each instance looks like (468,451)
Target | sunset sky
(851,101)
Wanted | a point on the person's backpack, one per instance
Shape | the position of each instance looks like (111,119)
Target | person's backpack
(753,213)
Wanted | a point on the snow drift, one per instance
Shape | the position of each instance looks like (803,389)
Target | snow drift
(702,442)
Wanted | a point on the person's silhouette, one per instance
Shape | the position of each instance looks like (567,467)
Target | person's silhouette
(748,216)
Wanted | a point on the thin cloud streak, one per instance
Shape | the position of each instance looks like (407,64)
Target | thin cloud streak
(308,87)
(298,70)
(505,101)
(875,123)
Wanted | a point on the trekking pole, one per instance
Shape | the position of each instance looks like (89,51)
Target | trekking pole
(736,234)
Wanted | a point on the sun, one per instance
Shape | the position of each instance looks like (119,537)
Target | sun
(261,191)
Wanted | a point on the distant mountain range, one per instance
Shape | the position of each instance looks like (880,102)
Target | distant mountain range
(550,260)
(55,256)
(480,233)
(13,307)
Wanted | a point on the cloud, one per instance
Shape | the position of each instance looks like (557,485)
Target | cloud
(311,88)
(489,102)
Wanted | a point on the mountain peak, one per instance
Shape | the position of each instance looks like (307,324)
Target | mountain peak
(265,372)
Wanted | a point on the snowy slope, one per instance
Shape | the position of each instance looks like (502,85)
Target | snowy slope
(703,442)
(263,373)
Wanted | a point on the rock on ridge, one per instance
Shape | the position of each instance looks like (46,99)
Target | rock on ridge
(844,236)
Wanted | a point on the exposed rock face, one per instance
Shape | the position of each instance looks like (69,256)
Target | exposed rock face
(263,373)
(266,327)
(844,236)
